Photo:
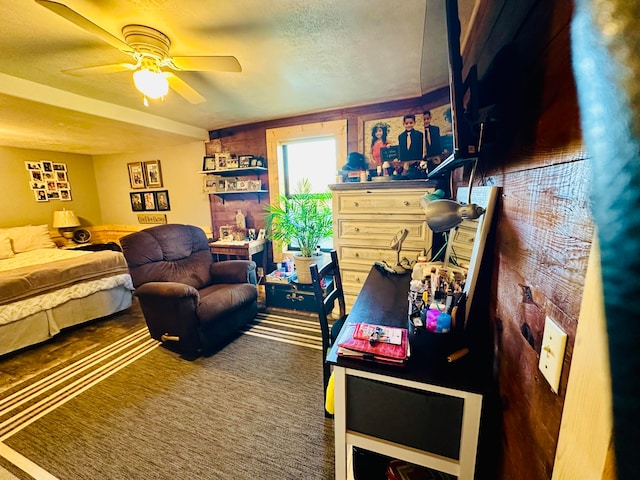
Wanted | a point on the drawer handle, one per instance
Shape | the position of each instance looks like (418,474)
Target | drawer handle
(358,279)
(357,255)
(357,229)
(293,296)
(356,204)
(406,203)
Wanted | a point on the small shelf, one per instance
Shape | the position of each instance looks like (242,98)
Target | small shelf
(235,172)
(238,192)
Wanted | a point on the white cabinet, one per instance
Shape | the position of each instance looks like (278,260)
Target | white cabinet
(366,216)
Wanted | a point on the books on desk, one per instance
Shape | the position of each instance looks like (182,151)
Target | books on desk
(380,351)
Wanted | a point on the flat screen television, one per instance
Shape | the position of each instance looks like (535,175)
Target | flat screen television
(465,139)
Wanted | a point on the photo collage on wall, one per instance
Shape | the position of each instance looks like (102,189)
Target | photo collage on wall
(49,181)
(144,175)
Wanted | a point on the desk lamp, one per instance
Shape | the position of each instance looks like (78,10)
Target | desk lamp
(65,221)
(443,214)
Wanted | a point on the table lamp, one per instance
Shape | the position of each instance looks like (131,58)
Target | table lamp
(65,221)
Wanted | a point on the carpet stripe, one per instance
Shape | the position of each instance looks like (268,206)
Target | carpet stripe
(24,464)
(27,393)
(283,340)
(280,333)
(50,403)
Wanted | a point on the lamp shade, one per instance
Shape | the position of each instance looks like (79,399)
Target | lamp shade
(153,84)
(65,219)
(443,215)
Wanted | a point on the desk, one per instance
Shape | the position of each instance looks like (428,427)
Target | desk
(241,249)
(426,412)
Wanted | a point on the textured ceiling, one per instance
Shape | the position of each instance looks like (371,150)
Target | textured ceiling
(297,57)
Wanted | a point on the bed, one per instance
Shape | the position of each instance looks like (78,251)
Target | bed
(44,289)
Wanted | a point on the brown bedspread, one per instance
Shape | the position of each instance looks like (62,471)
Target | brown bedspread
(27,282)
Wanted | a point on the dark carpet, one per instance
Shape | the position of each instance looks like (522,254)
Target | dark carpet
(254,410)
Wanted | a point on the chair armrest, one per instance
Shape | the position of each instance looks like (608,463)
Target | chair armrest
(234,271)
(167,289)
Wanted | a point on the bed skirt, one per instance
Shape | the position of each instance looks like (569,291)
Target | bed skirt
(37,328)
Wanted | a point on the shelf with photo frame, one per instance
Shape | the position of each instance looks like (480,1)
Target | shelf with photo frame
(231,181)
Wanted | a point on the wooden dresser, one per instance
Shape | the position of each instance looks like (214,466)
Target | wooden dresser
(366,216)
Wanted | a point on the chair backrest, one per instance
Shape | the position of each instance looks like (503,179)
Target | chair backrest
(326,293)
(169,253)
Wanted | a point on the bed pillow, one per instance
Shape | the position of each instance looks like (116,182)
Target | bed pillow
(29,237)
(5,247)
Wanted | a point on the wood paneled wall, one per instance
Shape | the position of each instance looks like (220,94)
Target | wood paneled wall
(544,227)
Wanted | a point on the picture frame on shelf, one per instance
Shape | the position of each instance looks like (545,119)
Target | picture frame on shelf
(149,201)
(244,161)
(209,163)
(262,233)
(232,162)
(136,199)
(255,185)
(153,174)
(221,160)
(162,200)
(209,183)
(136,175)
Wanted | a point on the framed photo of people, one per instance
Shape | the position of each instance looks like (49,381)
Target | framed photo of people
(380,135)
(153,174)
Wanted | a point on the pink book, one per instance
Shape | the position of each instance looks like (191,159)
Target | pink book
(379,351)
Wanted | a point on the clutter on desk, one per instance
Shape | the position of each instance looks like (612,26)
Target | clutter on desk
(389,353)
(435,292)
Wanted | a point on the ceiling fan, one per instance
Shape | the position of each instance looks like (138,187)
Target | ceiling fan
(150,50)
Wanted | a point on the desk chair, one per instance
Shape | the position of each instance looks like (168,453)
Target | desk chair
(325,302)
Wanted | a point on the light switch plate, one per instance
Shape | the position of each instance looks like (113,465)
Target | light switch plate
(552,353)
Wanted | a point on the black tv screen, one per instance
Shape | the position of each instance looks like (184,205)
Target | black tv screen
(465,140)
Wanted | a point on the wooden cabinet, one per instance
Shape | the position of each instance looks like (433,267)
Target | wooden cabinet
(366,216)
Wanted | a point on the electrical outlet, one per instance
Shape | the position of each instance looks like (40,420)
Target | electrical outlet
(554,342)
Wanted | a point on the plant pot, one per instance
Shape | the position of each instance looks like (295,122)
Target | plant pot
(303,263)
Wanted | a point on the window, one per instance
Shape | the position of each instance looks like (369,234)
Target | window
(314,151)
(314,159)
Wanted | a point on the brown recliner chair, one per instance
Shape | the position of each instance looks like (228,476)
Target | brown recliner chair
(190,302)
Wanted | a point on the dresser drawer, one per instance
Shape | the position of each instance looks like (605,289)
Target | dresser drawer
(367,257)
(392,202)
(368,231)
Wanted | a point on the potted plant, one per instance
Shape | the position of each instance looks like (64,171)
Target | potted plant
(304,219)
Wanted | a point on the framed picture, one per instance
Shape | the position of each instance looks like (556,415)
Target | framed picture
(41,195)
(209,163)
(136,175)
(244,161)
(136,202)
(153,174)
(226,232)
(221,160)
(47,166)
(33,165)
(60,167)
(261,234)
(162,200)
(209,183)
(65,194)
(149,201)
(381,133)
(232,162)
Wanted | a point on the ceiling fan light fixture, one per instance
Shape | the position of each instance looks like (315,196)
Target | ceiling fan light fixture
(151,84)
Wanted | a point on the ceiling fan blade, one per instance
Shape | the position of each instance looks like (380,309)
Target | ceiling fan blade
(183,89)
(100,69)
(74,17)
(207,64)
